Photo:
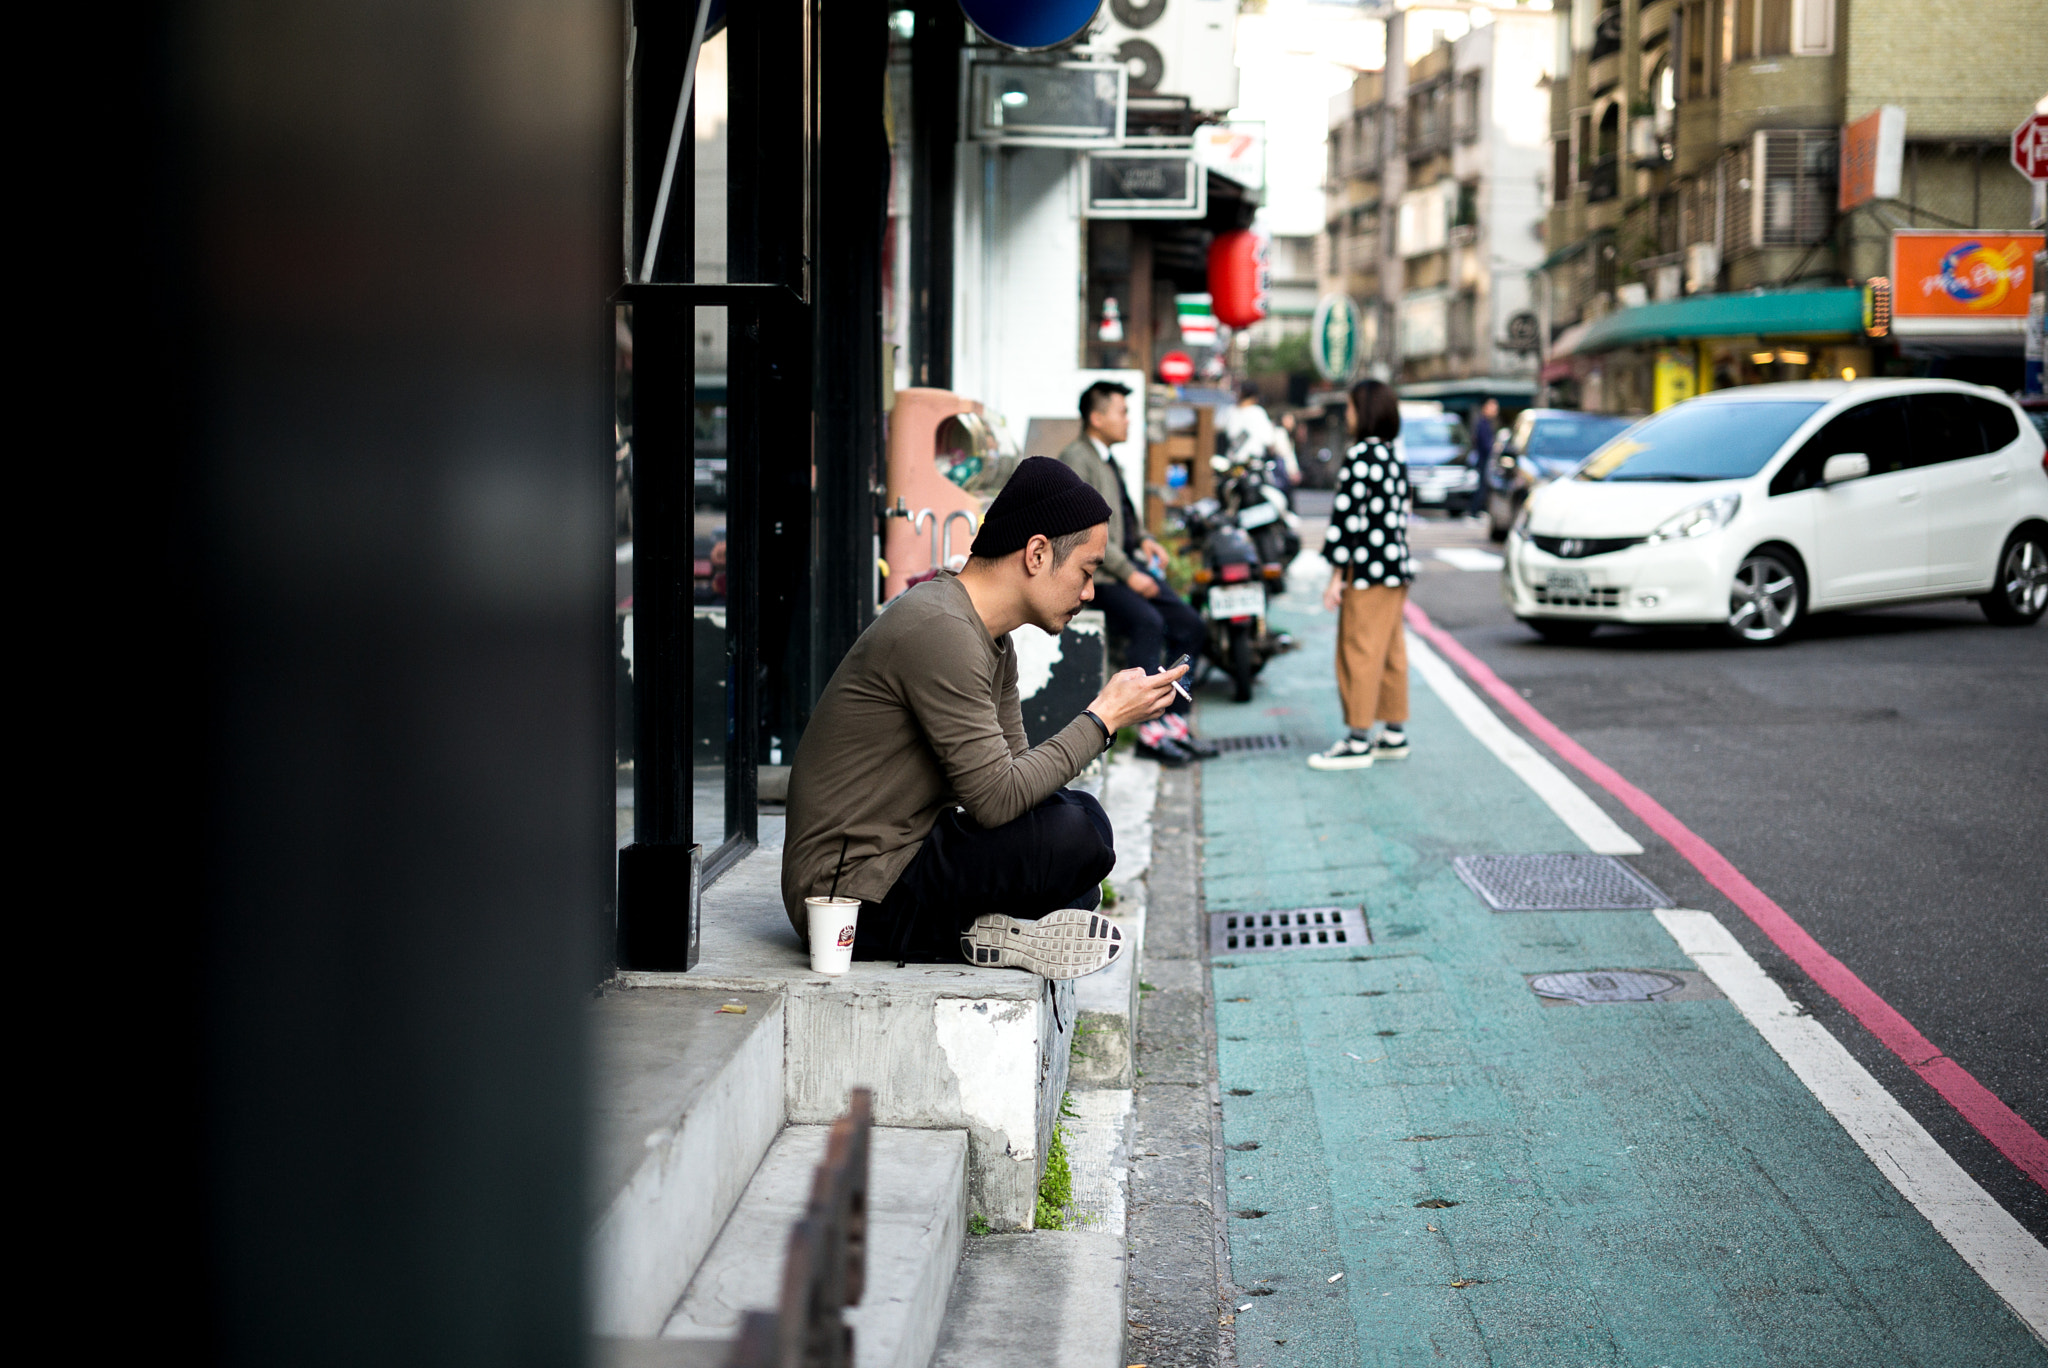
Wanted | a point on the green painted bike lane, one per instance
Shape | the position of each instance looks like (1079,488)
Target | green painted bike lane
(1635,1184)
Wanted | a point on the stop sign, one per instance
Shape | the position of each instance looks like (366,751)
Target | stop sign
(2030,148)
(1176,368)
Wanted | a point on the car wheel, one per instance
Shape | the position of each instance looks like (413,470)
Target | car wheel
(1768,598)
(2021,591)
(1561,629)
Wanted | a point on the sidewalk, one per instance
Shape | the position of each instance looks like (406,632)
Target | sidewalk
(1637,1183)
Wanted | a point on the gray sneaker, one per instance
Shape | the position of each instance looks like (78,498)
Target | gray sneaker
(1066,944)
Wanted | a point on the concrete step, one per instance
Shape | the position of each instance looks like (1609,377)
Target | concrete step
(943,1046)
(1048,1299)
(917,1218)
(688,1099)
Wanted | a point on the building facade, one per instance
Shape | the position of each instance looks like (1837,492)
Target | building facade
(1435,198)
(1696,163)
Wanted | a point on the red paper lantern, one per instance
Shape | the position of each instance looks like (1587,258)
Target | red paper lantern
(1176,368)
(1237,277)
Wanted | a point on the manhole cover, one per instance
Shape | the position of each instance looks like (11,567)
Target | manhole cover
(1232,745)
(1604,985)
(1557,883)
(1298,928)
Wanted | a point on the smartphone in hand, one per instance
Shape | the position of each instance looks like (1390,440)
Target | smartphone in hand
(1181,685)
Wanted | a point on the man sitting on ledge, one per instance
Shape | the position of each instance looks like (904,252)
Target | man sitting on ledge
(914,773)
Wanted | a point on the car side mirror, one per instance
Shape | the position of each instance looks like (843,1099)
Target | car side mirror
(1844,465)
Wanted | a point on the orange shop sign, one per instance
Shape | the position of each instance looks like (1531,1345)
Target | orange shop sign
(1962,275)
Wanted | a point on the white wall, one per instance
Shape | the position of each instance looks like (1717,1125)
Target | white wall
(1517,141)
(1293,62)
(1018,282)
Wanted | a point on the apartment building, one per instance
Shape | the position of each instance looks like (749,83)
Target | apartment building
(1701,235)
(1436,198)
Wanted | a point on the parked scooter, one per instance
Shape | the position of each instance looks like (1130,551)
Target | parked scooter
(1230,590)
(1260,509)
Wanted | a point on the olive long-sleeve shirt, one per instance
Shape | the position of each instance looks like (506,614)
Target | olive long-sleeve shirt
(922,714)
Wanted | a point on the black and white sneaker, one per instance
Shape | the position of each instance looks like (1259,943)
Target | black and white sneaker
(1391,744)
(1349,753)
(1066,944)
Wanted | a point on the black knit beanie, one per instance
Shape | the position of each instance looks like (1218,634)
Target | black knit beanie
(1042,497)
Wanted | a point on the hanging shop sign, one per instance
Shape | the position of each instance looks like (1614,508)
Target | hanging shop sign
(1333,338)
(1197,317)
(1961,279)
(1145,183)
(1234,150)
(1873,151)
(1176,368)
(1877,307)
(1238,278)
(1674,380)
(1047,104)
(1030,25)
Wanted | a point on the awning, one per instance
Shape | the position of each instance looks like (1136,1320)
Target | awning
(1781,313)
(1567,342)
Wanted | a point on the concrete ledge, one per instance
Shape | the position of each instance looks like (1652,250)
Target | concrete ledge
(1051,1299)
(1108,1001)
(688,1100)
(917,1219)
(944,1047)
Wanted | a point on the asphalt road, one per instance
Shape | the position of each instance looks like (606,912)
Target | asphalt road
(1884,777)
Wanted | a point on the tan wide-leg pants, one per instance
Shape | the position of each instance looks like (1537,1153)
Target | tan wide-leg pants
(1372,656)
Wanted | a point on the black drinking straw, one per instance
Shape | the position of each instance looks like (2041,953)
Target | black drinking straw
(842,865)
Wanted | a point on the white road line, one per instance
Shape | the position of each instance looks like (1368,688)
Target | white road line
(2011,1262)
(1585,817)
(1469,558)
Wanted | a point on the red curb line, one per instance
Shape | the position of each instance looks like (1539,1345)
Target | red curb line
(1979,1106)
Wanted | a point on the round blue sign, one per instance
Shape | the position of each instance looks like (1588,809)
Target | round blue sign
(1030,25)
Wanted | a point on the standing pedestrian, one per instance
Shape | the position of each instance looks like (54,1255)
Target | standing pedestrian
(1370,570)
(1130,587)
(1482,454)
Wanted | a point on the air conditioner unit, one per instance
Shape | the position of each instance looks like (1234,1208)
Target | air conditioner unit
(1702,267)
(1175,47)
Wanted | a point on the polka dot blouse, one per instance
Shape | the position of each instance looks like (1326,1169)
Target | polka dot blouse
(1369,520)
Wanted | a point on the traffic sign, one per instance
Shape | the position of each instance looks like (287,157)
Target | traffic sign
(2030,148)
(1333,338)
(1176,368)
(1030,25)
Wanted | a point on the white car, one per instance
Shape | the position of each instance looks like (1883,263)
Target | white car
(1751,508)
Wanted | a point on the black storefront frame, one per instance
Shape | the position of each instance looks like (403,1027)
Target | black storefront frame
(805,420)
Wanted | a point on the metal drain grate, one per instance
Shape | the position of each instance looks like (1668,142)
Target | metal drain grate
(1232,745)
(1607,985)
(1298,928)
(1557,883)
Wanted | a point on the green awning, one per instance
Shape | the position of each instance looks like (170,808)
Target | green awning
(1781,313)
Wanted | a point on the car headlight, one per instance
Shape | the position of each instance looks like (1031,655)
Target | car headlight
(1521,527)
(1700,519)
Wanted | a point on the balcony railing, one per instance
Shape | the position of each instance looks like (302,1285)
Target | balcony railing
(1603,182)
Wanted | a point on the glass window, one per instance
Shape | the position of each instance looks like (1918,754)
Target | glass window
(1945,428)
(1727,440)
(2001,429)
(1432,430)
(1571,438)
(1877,430)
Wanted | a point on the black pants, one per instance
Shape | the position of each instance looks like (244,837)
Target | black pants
(1153,627)
(1054,856)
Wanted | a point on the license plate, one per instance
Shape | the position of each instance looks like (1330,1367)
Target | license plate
(1258,515)
(1567,582)
(1236,601)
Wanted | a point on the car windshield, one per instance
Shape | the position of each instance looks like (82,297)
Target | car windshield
(1433,431)
(1570,439)
(1701,441)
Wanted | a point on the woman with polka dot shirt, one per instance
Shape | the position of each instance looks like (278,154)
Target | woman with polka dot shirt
(1370,568)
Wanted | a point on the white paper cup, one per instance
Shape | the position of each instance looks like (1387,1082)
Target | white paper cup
(832,923)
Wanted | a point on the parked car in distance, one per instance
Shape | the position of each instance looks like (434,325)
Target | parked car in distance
(1435,447)
(1751,508)
(1544,444)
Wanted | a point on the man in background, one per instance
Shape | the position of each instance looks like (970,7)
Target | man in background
(1130,586)
(1482,454)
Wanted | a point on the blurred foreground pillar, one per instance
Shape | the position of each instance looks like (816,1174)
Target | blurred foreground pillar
(390,232)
